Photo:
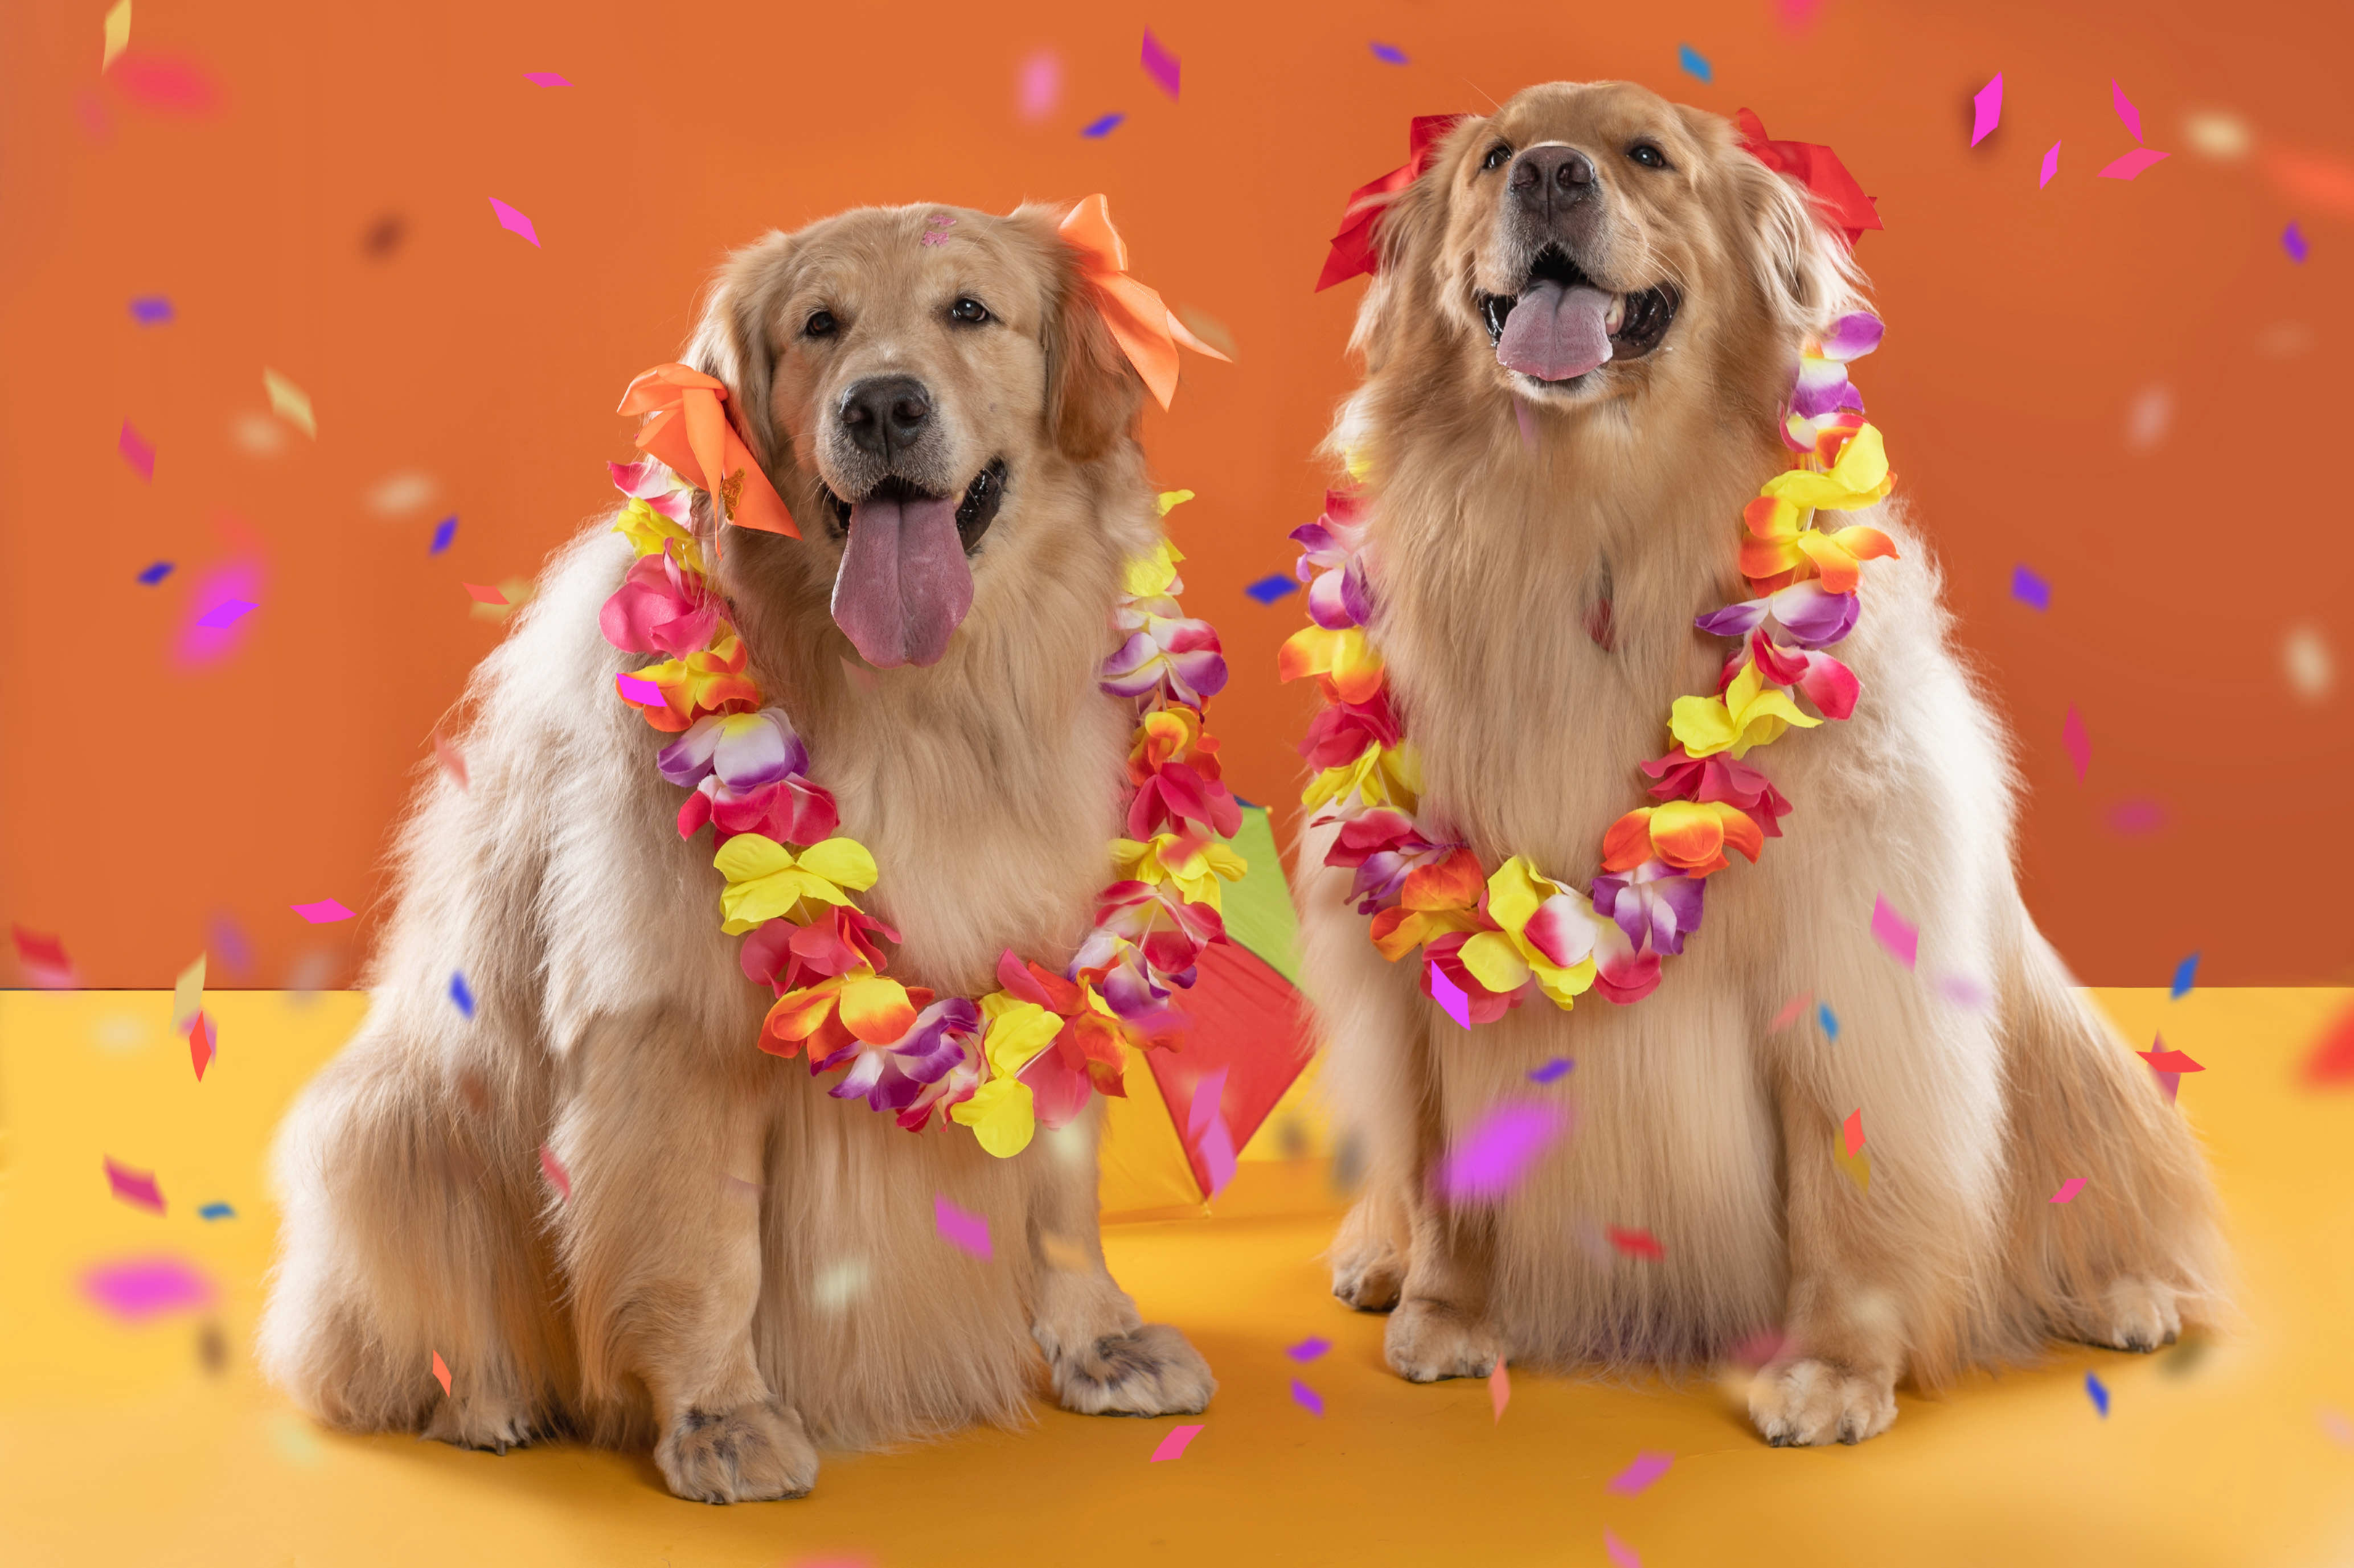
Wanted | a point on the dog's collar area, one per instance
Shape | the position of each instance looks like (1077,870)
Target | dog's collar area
(974,514)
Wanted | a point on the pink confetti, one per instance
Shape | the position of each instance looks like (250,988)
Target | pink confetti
(165,81)
(1500,1388)
(1635,1243)
(1851,1131)
(1206,1130)
(1450,996)
(1646,1468)
(1791,1010)
(2079,744)
(2133,818)
(138,451)
(1492,1157)
(326,912)
(1038,86)
(965,1232)
(137,1289)
(1895,933)
(440,1371)
(1174,1446)
(1987,105)
(640,691)
(1307,1398)
(453,761)
(1620,1552)
(544,78)
(557,1174)
(44,957)
(513,222)
(2133,163)
(2124,108)
(1797,15)
(2050,165)
(1159,64)
(2068,1189)
(136,1188)
(483,595)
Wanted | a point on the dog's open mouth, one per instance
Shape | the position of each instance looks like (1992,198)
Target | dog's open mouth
(1561,326)
(905,582)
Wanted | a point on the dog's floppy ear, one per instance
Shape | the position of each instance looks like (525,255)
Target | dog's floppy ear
(1093,393)
(1411,234)
(1801,266)
(731,340)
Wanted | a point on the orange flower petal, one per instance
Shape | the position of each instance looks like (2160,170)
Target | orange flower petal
(1627,844)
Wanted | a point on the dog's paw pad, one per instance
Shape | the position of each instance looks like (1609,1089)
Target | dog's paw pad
(1807,1402)
(750,1454)
(1152,1372)
(1427,1341)
(2136,1314)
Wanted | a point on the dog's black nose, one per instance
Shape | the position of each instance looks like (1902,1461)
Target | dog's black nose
(886,414)
(1547,177)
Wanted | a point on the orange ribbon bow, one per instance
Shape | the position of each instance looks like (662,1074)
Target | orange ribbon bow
(1146,330)
(695,438)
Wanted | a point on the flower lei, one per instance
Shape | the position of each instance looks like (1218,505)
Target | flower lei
(1497,937)
(1031,1052)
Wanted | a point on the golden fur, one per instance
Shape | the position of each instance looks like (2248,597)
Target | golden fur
(744,1264)
(1491,554)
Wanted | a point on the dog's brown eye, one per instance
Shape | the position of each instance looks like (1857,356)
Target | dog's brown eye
(1497,156)
(819,324)
(1650,157)
(969,310)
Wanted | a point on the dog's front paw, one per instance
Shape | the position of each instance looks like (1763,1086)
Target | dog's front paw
(2136,1314)
(1810,1401)
(480,1421)
(1368,1276)
(747,1455)
(1427,1341)
(1152,1372)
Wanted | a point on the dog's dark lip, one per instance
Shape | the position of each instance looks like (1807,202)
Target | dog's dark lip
(1648,315)
(974,514)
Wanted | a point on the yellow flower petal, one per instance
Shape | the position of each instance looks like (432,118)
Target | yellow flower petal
(1703,725)
(845,860)
(1001,1115)
(749,855)
(1018,1031)
(647,530)
(1495,962)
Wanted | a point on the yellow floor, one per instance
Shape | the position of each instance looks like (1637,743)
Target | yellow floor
(116,1446)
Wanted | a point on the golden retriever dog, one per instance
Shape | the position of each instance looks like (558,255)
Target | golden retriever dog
(745,1266)
(1534,597)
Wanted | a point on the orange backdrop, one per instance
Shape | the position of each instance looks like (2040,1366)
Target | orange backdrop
(2130,387)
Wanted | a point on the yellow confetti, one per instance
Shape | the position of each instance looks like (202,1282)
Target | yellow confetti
(290,402)
(1858,1166)
(188,996)
(118,32)
(1172,499)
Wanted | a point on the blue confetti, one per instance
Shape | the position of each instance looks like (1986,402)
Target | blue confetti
(156,573)
(152,311)
(1103,127)
(1692,61)
(443,531)
(2186,975)
(461,995)
(2030,589)
(217,1212)
(1552,1070)
(1272,586)
(2100,1395)
(1827,1018)
(1388,53)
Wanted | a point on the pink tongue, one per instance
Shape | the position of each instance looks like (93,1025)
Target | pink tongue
(1555,332)
(904,584)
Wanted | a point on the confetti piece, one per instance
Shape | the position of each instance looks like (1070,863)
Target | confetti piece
(188,994)
(201,1050)
(1895,933)
(2162,1060)
(1500,1388)
(2100,1394)
(326,912)
(1635,1243)
(557,1176)
(139,1289)
(966,1232)
(639,691)
(1307,1398)
(290,402)
(1965,990)
(1694,63)
(2186,975)
(544,78)
(1104,127)
(138,451)
(1388,53)
(1448,995)
(1856,1168)
(1986,107)
(2030,589)
(1621,1555)
(1827,1019)
(460,994)
(226,613)
(162,82)
(2124,108)
(217,1212)
(2068,1188)
(2292,241)
(136,1188)
(1272,586)
(44,957)
(1558,1067)
(156,573)
(1497,1151)
(1174,1446)
(1159,64)
(1308,1350)
(1852,1132)
(443,531)
(1646,1468)
(440,1373)
(483,595)
(1210,329)
(1038,86)
(1790,1012)
(2050,165)
(153,310)
(2331,1061)
(118,32)
(2135,817)
(511,220)
(1206,1131)
(452,760)
(2079,744)
(2132,164)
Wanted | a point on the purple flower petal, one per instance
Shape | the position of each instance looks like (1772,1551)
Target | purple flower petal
(1813,618)
(1734,619)
(1852,336)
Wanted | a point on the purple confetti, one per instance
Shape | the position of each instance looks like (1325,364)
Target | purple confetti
(1388,53)
(1450,996)
(2292,241)
(226,613)
(154,310)
(443,531)
(966,1232)
(156,573)
(137,1289)
(1308,1350)
(1647,1468)
(1307,1398)
(1490,1158)
(644,693)
(2030,589)
(1159,64)
(1103,127)
(1552,1070)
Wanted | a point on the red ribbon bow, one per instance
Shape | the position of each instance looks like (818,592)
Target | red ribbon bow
(1820,170)
(1357,247)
